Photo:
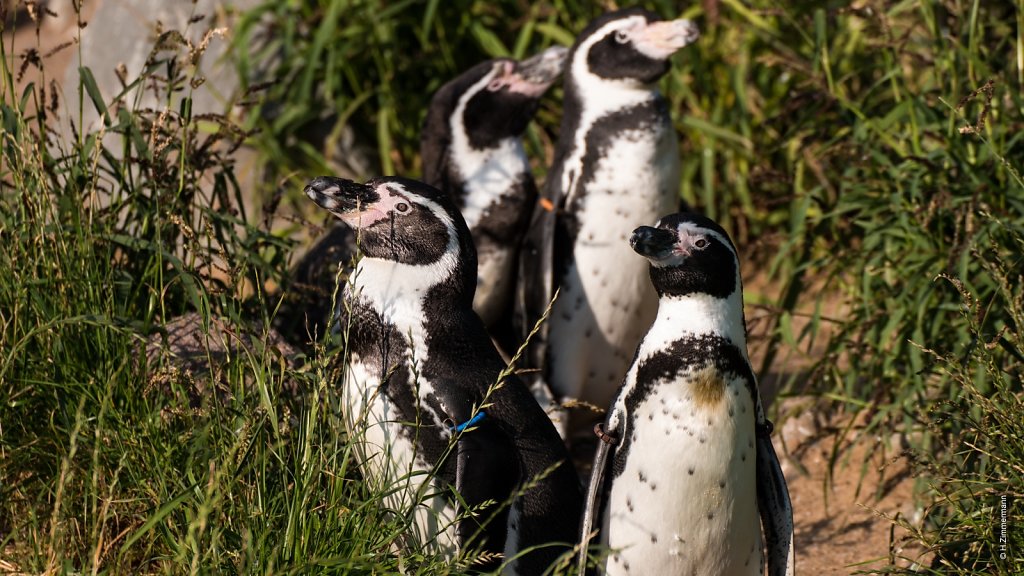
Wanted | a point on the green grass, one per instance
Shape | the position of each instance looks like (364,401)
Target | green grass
(977,487)
(868,154)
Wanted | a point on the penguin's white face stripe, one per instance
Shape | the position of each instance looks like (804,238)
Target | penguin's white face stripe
(489,174)
(600,96)
(394,289)
(610,91)
(485,82)
(659,40)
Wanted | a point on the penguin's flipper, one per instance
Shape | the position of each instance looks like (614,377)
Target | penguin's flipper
(486,471)
(545,255)
(775,508)
(595,493)
(535,285)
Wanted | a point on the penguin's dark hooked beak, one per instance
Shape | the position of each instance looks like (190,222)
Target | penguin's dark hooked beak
(653,243)
(339,196)
(544,67)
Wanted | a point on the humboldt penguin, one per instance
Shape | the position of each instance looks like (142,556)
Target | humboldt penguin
(471,147)
(686,476)
(616,166)
(436,419)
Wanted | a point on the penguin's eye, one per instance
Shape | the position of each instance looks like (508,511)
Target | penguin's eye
(402,207)
(621,36)
(495,85)
(701,243)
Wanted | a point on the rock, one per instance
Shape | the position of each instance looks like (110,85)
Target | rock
(186,352)
(801,419)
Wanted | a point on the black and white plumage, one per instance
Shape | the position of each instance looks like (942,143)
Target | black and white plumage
(471,148)
(420,364)
(693,476)
(616,166)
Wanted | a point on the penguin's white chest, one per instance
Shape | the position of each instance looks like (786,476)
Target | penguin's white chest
(686,499)
(493,280)
(391,463)
(489,175)
(607,301)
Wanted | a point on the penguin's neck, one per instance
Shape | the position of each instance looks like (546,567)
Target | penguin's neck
(483,175)
(398,292)
(595,96)
(699,314)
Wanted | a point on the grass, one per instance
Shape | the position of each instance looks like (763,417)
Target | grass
(975,489)
(867,154)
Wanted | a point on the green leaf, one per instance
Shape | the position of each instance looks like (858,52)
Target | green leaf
(489,41)
(89,83)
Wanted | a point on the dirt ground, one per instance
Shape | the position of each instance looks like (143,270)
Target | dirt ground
(839,525)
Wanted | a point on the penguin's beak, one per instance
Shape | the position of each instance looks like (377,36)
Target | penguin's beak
(659,40)
(544,67)
(653,243)
(340,196)
(537,73)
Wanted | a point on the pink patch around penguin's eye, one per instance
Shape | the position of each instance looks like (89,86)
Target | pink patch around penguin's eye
(391,201)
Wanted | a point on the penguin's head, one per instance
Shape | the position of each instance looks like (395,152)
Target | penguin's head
(496,99)
(405,222)
(689,254)
(631,45)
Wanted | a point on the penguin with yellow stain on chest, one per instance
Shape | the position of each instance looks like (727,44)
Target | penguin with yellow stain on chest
(692,474)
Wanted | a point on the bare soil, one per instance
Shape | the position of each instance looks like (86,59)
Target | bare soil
(843,521)
(845,488)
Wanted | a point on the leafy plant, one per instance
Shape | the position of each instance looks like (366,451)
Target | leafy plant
(973,525)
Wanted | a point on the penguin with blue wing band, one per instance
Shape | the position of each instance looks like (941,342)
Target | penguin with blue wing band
(425,394)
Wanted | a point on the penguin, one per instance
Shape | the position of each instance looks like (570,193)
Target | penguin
(471,147)
(616,166)
(435,417)
(686,468)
